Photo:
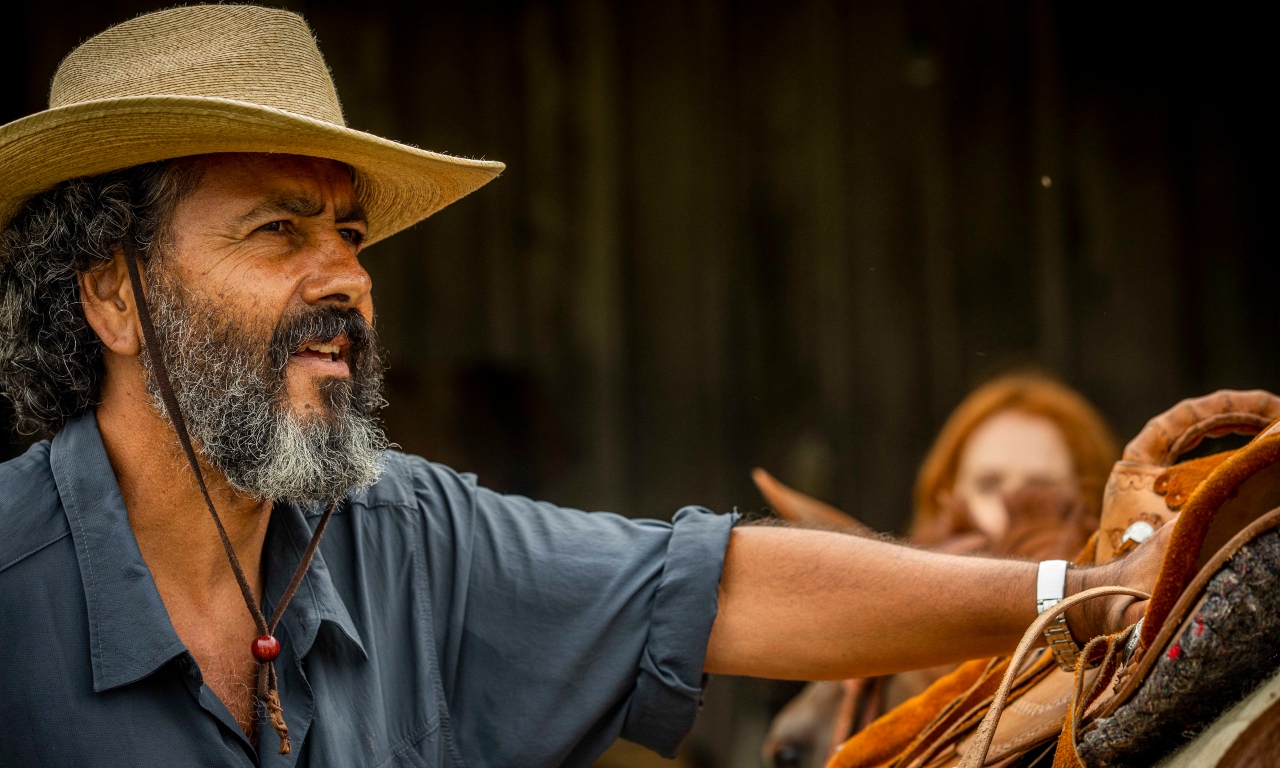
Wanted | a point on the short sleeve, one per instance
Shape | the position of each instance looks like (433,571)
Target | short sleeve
(564,630)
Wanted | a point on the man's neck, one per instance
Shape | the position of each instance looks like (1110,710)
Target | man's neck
(179,541)
(167,512)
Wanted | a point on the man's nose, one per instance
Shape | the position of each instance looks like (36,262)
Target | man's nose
(337,277)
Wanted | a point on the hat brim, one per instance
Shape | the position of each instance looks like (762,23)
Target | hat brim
(397,184)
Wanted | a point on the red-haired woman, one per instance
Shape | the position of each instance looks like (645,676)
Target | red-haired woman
(1018,469)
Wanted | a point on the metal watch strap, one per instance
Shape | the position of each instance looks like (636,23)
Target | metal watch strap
(1051,585)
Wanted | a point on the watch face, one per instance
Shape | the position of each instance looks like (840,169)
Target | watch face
(1051,582)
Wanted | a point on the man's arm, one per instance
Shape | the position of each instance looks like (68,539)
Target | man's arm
(811,605)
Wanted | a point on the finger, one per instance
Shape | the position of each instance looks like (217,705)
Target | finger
(1142,565)
(1134,612)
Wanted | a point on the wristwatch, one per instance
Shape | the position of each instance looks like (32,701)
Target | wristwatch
(1051,586)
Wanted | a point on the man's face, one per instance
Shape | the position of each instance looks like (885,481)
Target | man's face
(268,235)
(265,319)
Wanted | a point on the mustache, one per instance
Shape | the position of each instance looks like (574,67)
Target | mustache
(320,324)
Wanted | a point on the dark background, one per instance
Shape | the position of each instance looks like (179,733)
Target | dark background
(789,234)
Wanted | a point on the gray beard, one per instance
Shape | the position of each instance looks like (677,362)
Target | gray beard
(229,380)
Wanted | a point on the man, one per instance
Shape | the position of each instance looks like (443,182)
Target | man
(183,309)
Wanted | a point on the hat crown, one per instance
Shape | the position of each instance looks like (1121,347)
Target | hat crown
(262,56)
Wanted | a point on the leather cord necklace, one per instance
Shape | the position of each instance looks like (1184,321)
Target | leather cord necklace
(265,647)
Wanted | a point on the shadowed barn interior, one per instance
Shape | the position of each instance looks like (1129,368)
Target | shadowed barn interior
(788,234)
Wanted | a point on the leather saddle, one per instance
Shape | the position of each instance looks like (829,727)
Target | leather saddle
(1141,693)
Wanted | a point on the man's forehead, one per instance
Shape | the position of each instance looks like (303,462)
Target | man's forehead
(250,179)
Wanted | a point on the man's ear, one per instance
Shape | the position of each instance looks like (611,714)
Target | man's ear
(107,298)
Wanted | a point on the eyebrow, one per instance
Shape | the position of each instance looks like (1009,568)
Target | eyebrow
(351,212)
(304,206)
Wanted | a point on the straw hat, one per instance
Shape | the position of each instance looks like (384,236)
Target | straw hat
(216,78)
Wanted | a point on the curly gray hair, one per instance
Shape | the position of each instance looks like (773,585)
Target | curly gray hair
(50,359)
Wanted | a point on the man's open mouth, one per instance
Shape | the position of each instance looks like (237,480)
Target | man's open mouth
(332,351)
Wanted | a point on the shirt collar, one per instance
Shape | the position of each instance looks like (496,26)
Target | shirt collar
(317,600)
(130,634)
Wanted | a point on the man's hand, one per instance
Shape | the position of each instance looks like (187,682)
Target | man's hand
(1106,615)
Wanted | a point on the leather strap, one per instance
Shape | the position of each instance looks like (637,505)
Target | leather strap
(1112,647)
(976,756)
(266,691)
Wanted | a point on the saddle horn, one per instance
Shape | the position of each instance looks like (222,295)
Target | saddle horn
(1149,486)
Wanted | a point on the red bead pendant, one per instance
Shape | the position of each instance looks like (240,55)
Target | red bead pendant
(266,648)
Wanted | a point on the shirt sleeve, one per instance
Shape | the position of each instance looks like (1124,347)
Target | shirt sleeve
(561,630)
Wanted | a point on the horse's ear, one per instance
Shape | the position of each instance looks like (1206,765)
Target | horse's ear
(802,509)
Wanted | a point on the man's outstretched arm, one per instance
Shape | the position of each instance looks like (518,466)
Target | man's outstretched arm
(810,605)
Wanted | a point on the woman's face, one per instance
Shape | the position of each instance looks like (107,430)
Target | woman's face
(1006,451)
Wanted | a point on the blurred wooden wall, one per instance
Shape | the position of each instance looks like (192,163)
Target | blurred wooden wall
(789,233)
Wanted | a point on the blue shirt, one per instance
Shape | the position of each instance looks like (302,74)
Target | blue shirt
(441,624)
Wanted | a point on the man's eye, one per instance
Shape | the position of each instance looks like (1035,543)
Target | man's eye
(275,226)
(353,236)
